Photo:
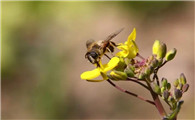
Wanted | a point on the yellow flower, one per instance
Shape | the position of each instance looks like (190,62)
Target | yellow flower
(129,49)
(102,70)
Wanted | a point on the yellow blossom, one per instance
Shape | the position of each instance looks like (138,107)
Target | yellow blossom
(129,49)
(102,70)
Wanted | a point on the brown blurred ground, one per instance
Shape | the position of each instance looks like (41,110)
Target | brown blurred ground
(43,47)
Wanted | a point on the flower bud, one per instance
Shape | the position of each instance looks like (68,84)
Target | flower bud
(162,89)
(156,88)
(166,94)
(171,99)
(160,61)
(168,86)
(154,63)
(170,54)
(185,87)
(177,93)
(118,75)
(156,47)
(159,49)
(141,75)
(150,58)
(176,82)
(129,72)
(180,86)
(164,82)
(127,61)
(147,70)
(182,79)
(110,77)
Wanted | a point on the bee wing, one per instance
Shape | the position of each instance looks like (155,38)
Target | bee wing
(113,34)
(89,42)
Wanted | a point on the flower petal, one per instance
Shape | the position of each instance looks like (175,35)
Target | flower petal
(111,64)
(123,47)
(132,36)
(122,53)
(88,75)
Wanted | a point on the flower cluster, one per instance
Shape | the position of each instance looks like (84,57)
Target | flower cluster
(124,66)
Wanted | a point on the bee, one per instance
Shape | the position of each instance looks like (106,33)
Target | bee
(96,49)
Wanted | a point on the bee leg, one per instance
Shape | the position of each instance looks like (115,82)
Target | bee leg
(110,51)
(114,44)
(107,56)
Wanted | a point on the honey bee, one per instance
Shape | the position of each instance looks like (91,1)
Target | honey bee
(96,49)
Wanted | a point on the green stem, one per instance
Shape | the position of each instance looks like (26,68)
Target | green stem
(157,102)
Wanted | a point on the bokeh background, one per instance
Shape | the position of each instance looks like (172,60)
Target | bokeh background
(43,48)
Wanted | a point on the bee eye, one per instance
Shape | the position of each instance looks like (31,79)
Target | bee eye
(94,55)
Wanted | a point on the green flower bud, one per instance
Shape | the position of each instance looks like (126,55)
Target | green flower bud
(180,86)
(147,70)
(150,58)
(110,77)
(159,49)
(154,63)
(127,61)
(141,75)
(156,88)
(176,82)
(162,51)
(182,79)
(164,82)
(166,95)
(168,86)
(170,54)
(171,99)
(185,87)
(156,47)
(160,61)
(177,93)
(129,72)
(118,75)
(162,89)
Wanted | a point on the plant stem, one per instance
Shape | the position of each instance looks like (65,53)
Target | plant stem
(157,101)
(130,93)
(136,81)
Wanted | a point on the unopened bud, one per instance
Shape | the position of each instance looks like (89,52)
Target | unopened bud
(170,54)
(162,89)
(177,93)
(159,49)
(160,61)
(156,47)
(127,61)
(129,72)
(171,99)
(180,86)
(168,86)
(166,94)
(118,75)
(182,79)
(154,63)
(110,77)
(176,82)
(156,88)
(147,70)
(164,82)
(141,75)
(185,87)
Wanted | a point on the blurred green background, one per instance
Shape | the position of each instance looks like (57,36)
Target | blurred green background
(43,48)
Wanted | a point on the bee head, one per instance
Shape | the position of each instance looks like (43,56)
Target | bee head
(92,56)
